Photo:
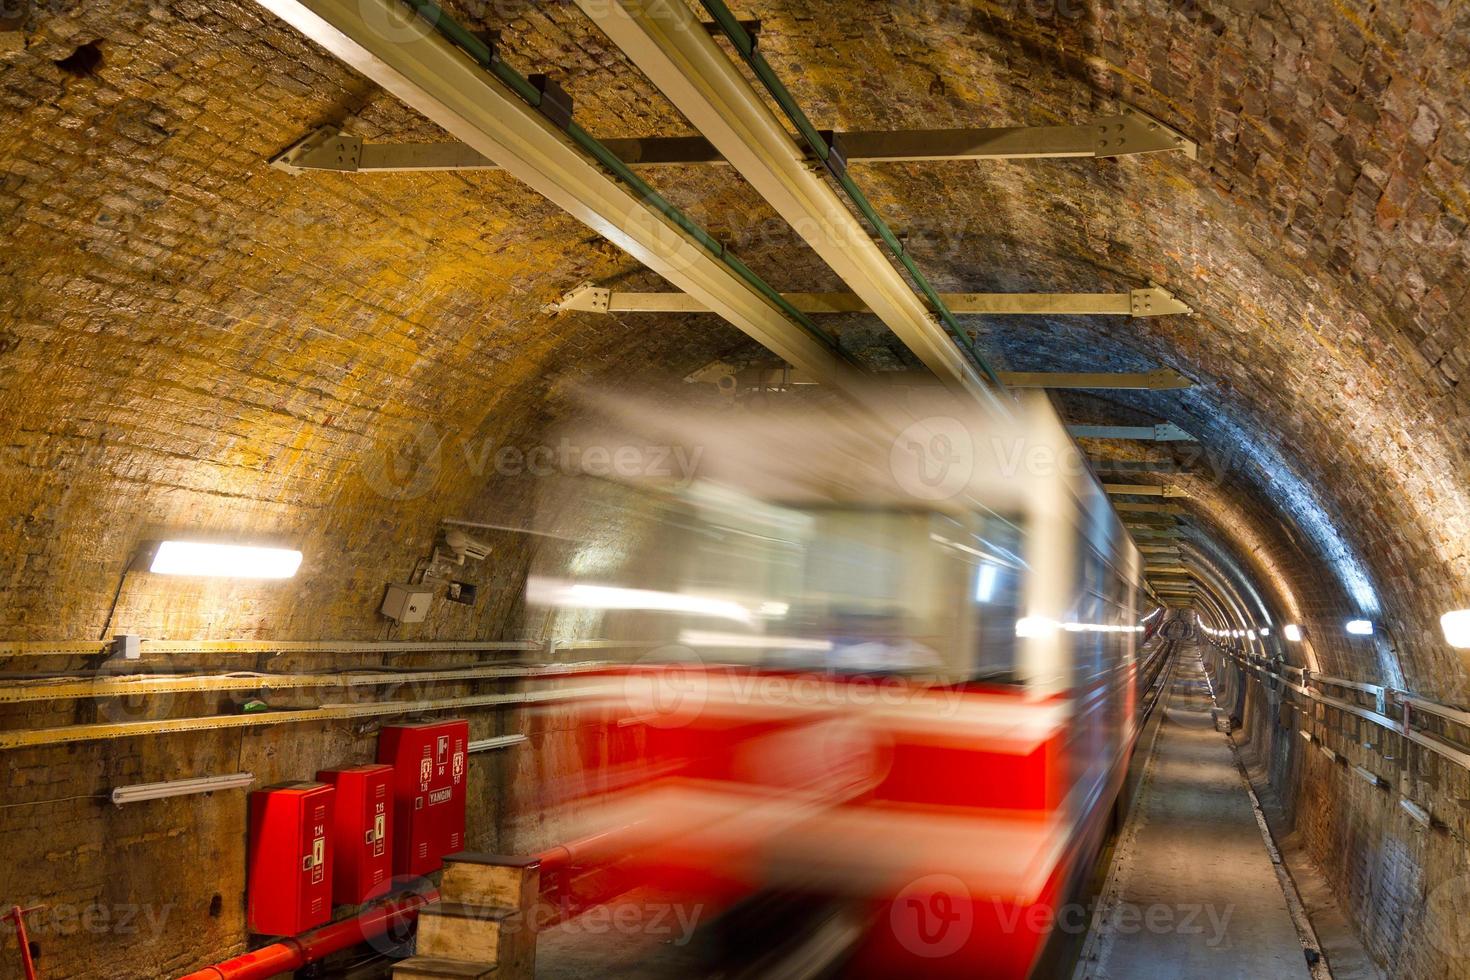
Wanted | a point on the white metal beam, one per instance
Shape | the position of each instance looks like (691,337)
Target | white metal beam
(1165,432)
(733,379)
(1144,490)
(666,42)
(1132,132)
(388,44)
(1150,301)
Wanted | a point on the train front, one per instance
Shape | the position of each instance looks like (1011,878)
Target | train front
(846,695)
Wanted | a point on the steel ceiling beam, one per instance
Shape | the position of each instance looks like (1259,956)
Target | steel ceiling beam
(1154,530)
(1150,301)
(1145,490)
(1132,132)
(732,378)
(473,101)
(665,41)
(1120,466)
(1132,508)
(1165,432)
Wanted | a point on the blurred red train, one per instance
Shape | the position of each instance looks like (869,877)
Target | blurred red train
(887,666)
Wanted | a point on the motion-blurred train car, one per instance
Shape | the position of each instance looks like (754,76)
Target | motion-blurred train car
(882,659)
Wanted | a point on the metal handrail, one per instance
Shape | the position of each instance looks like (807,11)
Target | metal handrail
(1399,726)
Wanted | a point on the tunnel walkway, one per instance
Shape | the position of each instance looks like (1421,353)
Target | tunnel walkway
(1192,891)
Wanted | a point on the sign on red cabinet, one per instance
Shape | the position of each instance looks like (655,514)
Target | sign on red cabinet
(362,862)
(290,858)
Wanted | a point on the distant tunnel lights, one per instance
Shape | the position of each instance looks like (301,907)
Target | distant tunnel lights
(1456,626)
(1292,632)
(224,560)
(1360,627)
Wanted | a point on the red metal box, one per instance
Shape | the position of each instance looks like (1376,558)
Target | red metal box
(290,858)
(430,762)
(362,828)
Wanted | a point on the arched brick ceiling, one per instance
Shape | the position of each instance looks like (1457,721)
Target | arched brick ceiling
(193,339)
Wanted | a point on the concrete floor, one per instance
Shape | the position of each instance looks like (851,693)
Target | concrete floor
(1192,891)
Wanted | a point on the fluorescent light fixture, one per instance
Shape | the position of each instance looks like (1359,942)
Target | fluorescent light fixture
(1292,632)
(1360,627)
(180,787)
(1456,626)
(224,560)
(750,641)
(1265,631)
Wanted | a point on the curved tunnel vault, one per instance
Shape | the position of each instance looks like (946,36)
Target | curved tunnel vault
(190,338)
(1319,236)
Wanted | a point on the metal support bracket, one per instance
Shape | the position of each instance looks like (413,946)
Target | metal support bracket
(1132,132)
(1164,432)
(327,148)
(1152,301)
(1156,301)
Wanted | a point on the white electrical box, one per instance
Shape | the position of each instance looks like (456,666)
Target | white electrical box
(407,603)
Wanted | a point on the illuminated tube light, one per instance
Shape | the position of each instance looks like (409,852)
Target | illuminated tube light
(1456,626)
(224,560)
(747,641)
(1036,626)
(1360,627)
(1292,632)
(575,595)
(180,787)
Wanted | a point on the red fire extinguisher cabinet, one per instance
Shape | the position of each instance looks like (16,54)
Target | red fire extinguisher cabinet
(362,828)
(290,858)
(430,764)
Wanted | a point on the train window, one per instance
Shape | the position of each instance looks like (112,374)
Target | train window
(996,598)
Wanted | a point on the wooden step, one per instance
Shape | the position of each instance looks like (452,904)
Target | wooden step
(477,933)
(439,968)
(491,879)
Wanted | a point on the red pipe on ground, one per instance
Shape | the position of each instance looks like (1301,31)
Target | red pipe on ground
(294,953)
(19,915)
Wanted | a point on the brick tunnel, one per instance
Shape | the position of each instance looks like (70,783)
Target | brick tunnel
(301,299)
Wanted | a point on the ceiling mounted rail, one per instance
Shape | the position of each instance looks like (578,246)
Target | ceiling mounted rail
(413,50)
(1164,432)
(665,41)
(733,379)
(1152,301)
(1144,490)
(1132,132)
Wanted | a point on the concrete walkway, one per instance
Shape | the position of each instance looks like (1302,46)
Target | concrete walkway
(1192,891)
